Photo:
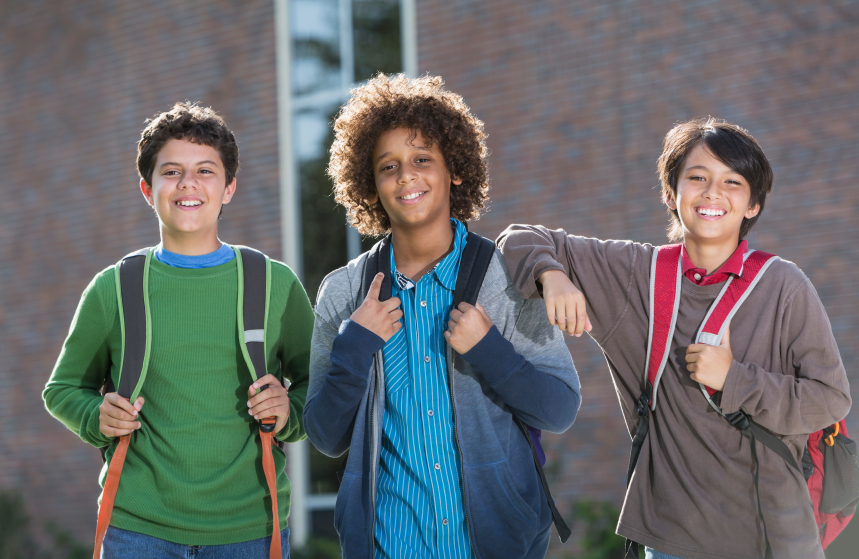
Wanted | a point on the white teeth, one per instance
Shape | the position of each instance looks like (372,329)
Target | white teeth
(189,203)
(711,212)
(411,196)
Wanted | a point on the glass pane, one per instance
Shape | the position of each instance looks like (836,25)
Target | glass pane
(315,35)
(323,229)
(377,37)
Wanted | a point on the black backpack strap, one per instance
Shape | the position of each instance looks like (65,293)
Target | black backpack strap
(253,306)
(476,256)
(475,260)
(130,291)
(378,260)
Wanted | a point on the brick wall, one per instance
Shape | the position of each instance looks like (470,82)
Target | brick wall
(576,97)
(78,81)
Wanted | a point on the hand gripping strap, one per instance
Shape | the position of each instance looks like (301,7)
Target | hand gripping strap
(111,484)
(727,303)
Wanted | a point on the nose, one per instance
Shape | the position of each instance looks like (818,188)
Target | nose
(188,181)
(712,191)
(407,174)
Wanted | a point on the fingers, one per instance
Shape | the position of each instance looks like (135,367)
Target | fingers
(375,287)
(391,304)
(118,417)
(275,388)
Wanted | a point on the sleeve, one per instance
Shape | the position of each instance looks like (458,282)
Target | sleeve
(296,329)
(811,392)
(604,271)
(341,356)
(532,372)
(73,393)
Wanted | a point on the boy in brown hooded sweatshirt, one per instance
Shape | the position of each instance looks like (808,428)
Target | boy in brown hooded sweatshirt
(692,493)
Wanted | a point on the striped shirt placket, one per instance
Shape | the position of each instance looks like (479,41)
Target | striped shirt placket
(422,477)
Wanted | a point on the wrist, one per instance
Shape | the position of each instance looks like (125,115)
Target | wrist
(548,275)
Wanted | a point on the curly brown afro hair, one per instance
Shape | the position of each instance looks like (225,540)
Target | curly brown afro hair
(422,104)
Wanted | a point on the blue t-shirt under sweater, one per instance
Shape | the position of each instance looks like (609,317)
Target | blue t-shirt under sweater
(221,256)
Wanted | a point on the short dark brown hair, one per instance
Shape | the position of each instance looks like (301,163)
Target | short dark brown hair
(422,105)
(191,122)
(728,143)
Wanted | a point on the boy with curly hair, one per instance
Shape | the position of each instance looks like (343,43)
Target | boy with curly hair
(421,394)
(693,492)
(193,479)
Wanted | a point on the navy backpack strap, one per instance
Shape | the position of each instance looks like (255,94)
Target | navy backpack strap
(378,260)
(476,256)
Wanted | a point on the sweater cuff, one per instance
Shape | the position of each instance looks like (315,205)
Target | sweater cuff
(730,392)
(493,357)
(355,345)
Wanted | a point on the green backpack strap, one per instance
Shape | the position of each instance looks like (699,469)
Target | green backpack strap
(254,270)
(132,299)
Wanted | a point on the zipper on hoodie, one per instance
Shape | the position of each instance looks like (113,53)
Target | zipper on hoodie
(450,356)
(373,451)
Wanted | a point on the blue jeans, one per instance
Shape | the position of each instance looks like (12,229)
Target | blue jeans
(653,554)
(123,544)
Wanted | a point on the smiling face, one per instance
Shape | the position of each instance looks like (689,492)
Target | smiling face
(412,180)
(711,199)
(187,191)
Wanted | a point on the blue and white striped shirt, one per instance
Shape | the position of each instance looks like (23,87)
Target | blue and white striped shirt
(419,507)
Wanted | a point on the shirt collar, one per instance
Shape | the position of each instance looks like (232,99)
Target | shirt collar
(446,270)
(732,266)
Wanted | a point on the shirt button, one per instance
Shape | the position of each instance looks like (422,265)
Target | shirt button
(423,303)
(697,277)
(437,466)
(444,521)
(426,359)
(429,413)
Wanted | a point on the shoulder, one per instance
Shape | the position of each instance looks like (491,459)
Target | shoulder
(340,291)
(785,278)
(282,275)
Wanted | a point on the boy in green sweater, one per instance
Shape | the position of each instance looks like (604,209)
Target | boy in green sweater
(193,477)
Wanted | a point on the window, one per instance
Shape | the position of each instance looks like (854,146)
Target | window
(332,45)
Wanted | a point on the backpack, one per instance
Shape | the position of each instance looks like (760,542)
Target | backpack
(132,296)
(831,468)
(476,256)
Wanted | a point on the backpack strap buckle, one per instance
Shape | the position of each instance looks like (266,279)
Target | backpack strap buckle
(831,433)
(266,424)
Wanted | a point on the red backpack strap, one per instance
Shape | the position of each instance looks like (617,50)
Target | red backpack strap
(665,277)
(733,294)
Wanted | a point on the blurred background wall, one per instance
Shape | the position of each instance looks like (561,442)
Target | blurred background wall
(576,97)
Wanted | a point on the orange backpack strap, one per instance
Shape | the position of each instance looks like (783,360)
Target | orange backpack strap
(254,293)
(131,274)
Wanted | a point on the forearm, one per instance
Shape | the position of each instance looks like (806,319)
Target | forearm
(539,399)
(330,411)
(783,403)
(77,409)
(529,251)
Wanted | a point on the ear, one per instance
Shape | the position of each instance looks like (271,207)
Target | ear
(373,199)
(228,192)
(669,200)
(456,180)
(147,192)
(752,211)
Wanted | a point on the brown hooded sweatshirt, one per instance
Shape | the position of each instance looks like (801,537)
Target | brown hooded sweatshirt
(692,494)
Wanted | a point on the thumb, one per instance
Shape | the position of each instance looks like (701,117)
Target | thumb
(726,337)
(375,287)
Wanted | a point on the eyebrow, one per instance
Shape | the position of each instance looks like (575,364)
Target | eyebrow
(204,162)
(422,148)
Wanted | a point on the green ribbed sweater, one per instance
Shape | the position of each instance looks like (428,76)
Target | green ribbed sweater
(193,473)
